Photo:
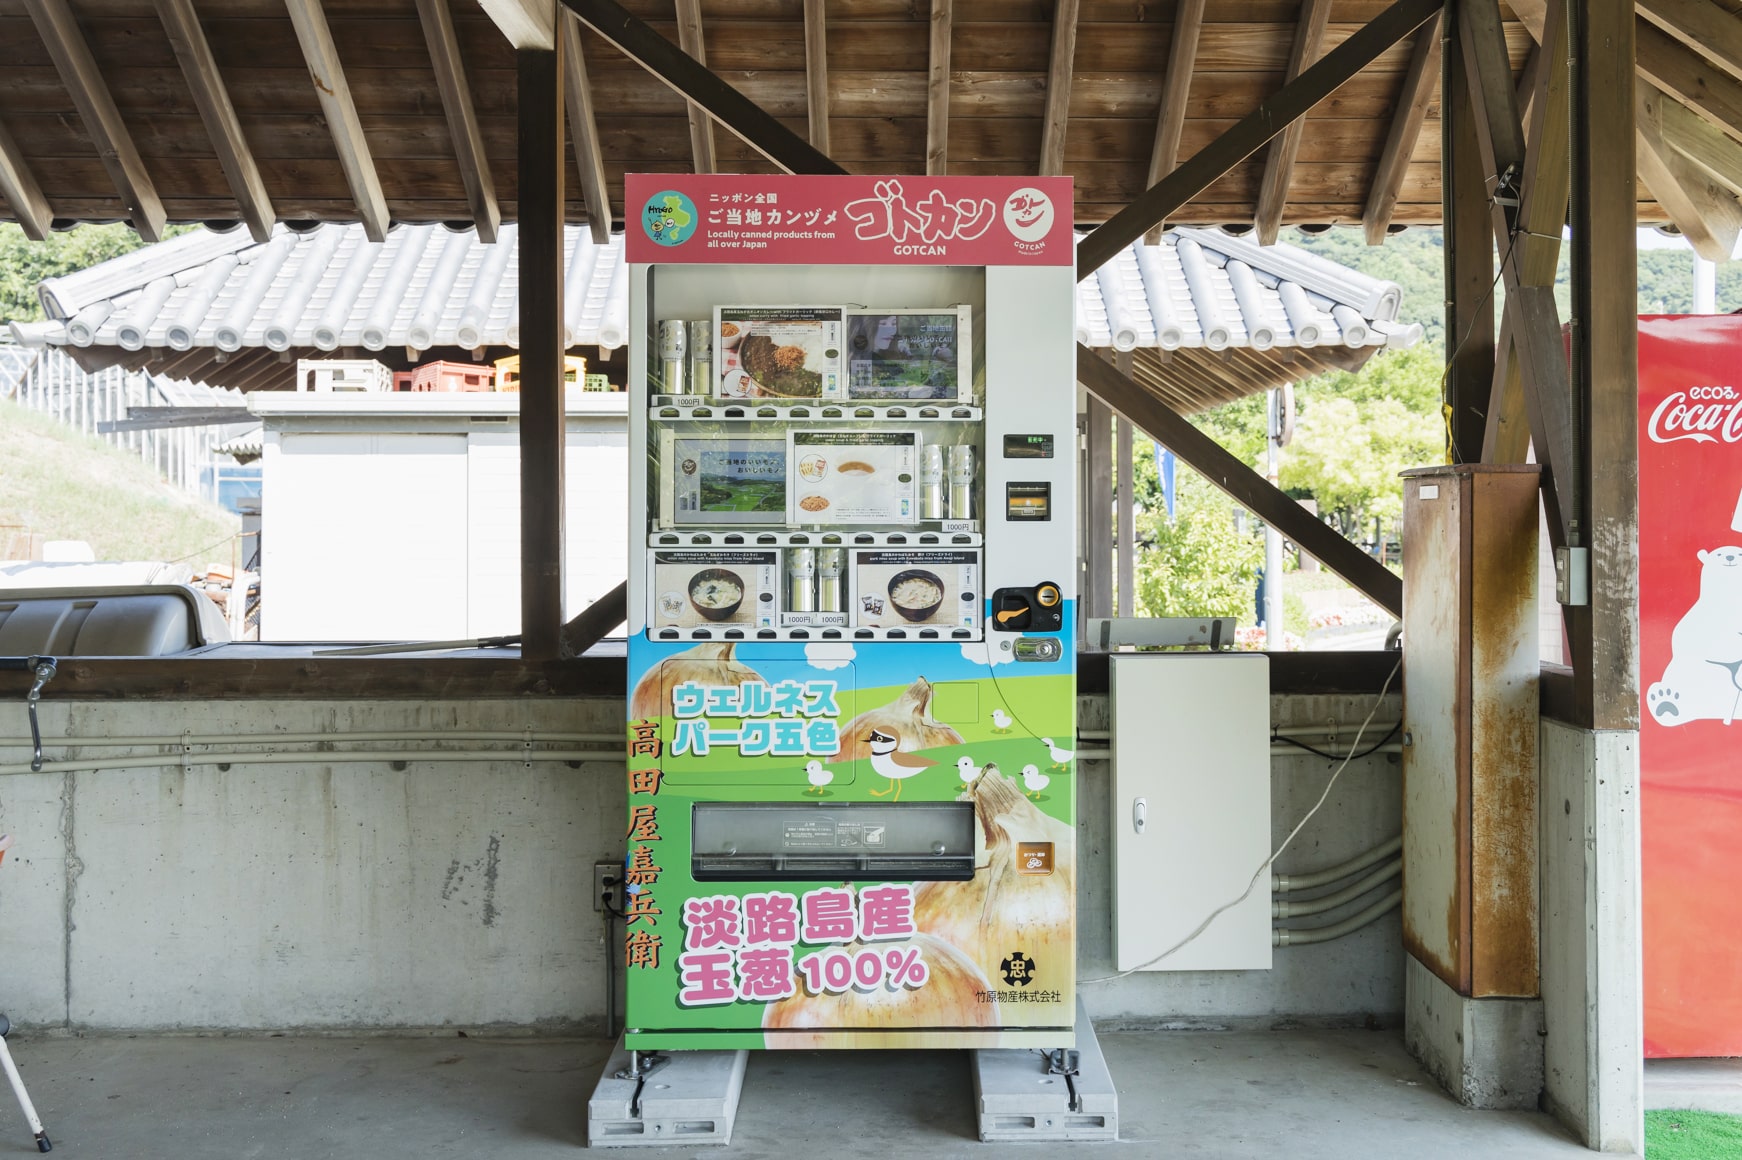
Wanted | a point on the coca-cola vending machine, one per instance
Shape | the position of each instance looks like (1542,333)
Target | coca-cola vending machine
(1690,611)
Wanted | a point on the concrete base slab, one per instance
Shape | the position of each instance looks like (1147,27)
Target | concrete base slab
(1016,1100)
(1706,1085)
(690,1098)
(1486,1052)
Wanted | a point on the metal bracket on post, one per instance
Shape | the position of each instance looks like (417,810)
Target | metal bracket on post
(42,669)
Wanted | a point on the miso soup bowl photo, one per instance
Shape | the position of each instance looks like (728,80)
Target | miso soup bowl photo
(916,593)
(716,593)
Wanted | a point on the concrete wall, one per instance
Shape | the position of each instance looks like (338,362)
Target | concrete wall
(354,895)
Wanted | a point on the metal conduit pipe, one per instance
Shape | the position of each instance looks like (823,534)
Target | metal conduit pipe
(1283,883)
(1379,728)
(1284,936)
(1278,750)
(528,736)
(1283,908)
(313,757)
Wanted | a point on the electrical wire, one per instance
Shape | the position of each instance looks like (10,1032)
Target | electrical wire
(1369,751)
(1264,866)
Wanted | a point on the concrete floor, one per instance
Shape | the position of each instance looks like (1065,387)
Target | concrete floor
(1303,1094)
(1711,1085)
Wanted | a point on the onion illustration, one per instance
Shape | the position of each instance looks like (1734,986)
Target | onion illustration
(908,718)
(709,663)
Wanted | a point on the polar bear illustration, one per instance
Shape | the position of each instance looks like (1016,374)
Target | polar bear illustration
(1704,677)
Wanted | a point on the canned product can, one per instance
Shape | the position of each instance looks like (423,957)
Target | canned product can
(829,563)
(701,353)
(962,482)
(801,569)
(672,341)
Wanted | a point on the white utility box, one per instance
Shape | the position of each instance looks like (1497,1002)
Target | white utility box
(1191,808)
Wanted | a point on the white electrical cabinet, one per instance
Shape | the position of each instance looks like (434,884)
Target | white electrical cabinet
(1191,809)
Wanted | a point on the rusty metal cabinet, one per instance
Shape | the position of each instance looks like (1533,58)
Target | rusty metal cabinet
(1471,670)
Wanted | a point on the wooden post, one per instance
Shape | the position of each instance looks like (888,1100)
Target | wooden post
(1125,475)
(1605,362)
(542,161)
(1469,260)
(1098,518)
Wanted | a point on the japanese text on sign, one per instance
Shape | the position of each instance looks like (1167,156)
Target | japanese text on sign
(788,719)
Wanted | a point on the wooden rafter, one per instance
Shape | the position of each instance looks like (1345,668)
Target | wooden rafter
(89,91)
(1533,315)
(937,90)
(1697,140)
(1705,212)
(597,619)
(584,132)
(1060,66)
(1247,488)
(182,25)
(321,55)
(1170,119)
(674,68)
(1700,85)
(1250,133)
(816,72)
(462,115)
(1400,140)
(18,185)
(526,23)
(689,38)
(1708,29)
(1309,35)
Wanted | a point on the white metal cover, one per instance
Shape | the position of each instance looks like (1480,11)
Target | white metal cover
(1191,744)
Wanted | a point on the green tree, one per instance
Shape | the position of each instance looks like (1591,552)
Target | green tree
(1199,563)
(24,263)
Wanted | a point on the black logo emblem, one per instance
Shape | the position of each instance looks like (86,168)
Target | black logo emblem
(1018,970)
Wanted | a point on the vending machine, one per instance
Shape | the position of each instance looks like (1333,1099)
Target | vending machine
(852,799)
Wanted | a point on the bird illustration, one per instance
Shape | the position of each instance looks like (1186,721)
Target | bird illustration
(968,771)
(888,762)
(1060,757)
(1000,721)
(817,776)
(1034,780)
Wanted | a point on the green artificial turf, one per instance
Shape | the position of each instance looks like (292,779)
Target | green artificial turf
(1680,1135)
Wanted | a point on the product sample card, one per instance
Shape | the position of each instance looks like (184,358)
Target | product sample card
(910,355)
(915,589)
(721,479)
(778,352)
(852,477)
(714,589)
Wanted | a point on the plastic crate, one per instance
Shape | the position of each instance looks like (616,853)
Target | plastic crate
(597,383)
(402,380)
(342,374)
(448,376)
(508,372)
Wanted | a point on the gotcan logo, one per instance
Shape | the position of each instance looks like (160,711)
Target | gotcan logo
(1702,414)
(1028,215)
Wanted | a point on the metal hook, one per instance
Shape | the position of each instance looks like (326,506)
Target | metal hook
(44,669)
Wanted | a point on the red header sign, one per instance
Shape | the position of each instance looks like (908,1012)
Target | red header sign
(840,220)
(1690,675)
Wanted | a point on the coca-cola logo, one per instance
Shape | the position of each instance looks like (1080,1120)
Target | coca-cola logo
(1698,414)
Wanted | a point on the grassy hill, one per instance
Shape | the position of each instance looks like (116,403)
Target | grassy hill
(64,485)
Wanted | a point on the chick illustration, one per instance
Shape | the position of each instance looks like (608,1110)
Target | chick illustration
(817,776)
(1000,721)
(1034,780)
(888,761)
(1060,757)
(968,771)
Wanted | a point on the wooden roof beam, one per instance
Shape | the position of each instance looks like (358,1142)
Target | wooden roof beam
(583,129)
(526,23)
(1700,85)
(462,116)
(674,68)
(1697,140)
(937,91)
(1713,32)
(182,25)
(1706,213)
(816,72)
(1246,487)
(22,193)
(1400,140)
(1309,35)
(334,93)
(1251,132)
(689,38)
(1059,69)
(1188,21)
(78,70)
